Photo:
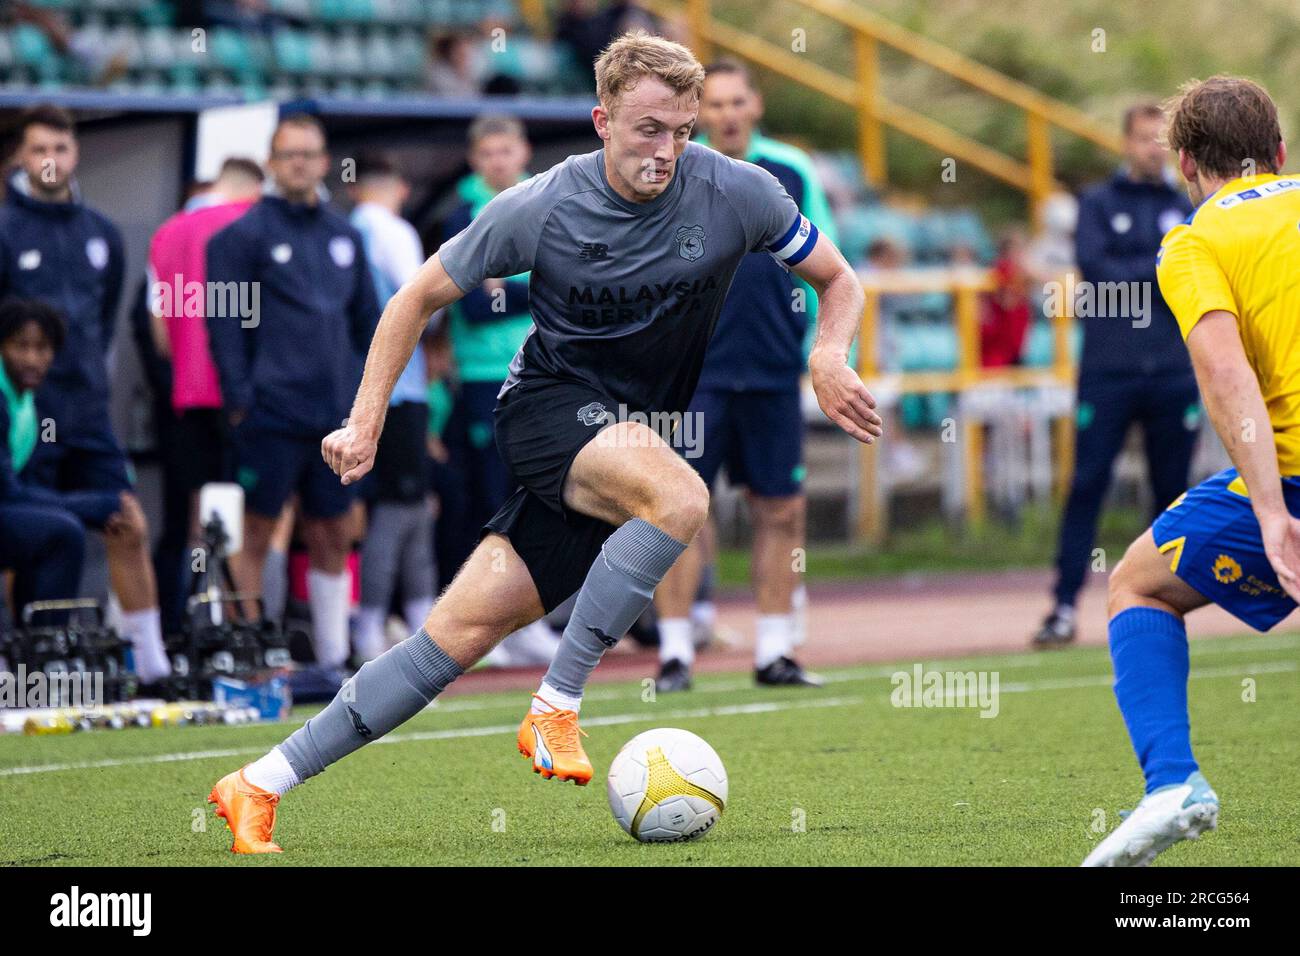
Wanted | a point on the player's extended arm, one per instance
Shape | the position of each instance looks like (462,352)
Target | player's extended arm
(350,451)
(839,390)
(1236,407)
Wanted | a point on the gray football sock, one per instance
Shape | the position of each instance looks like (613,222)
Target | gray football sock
(618,588)
(386,692)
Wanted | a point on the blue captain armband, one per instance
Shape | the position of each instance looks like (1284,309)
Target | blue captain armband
(793,247)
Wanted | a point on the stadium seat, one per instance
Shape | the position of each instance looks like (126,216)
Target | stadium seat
(32,49)
(158,47)
(292,51)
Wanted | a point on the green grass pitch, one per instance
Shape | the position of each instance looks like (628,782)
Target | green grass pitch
(836,776)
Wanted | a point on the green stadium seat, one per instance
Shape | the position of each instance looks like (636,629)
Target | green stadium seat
(292,52)
(184,80)
(33,50)
(330,11)
(296,9)
(158,13)
(230,50)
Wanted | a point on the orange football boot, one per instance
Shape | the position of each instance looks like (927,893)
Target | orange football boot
(249,813)
(551,740)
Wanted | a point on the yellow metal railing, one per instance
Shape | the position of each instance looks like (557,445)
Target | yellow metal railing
(1033,175)
(965,286)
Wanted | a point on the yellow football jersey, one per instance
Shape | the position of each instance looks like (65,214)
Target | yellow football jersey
(1240,252)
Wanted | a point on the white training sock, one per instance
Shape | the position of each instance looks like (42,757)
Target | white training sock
(799,614)
(272,772)
(557,700)
(328,596)
(370,638)
(415,610)
(775,639)
(704,613)
(144,630)
(675,640)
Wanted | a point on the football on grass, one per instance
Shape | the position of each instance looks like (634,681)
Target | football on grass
(667,785)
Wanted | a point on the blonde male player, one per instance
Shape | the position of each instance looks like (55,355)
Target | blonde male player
(1231,275)
(632,248)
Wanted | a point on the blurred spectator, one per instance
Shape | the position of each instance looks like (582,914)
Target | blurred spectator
(1004,321)
(41,539)
(1050,254)
(488,327)
(1134,366)
(197,448)
(288,371)
(57,250)
(884,255)
(584,28)
(451,66)
(399,534)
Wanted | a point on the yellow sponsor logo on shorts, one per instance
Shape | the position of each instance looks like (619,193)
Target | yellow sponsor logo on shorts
(1226,570)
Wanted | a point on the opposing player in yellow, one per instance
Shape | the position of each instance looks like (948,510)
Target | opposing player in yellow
(1231,275)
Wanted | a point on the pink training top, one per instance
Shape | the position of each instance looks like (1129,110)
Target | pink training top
(178,275)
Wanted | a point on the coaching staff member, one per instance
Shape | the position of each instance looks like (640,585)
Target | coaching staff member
(288,373)
(1134,366)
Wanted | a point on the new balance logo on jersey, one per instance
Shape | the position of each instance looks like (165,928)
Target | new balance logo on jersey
(593,251)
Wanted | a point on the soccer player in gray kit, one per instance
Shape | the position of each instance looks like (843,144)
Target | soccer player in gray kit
(632,249)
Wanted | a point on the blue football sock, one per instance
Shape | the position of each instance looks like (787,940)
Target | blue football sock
(1149,650)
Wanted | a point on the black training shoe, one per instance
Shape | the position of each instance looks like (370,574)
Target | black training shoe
(1056,631)
(785,672)
(673,675)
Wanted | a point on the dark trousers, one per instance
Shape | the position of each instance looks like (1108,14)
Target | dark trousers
(485,482)
(195,450)
(44,545)
(1168,408)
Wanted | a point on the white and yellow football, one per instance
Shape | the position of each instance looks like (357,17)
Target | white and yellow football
(667,785)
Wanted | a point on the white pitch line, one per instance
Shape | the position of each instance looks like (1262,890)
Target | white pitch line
(760,707)
(451,734)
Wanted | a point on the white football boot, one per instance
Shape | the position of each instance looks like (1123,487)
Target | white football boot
(1180,811)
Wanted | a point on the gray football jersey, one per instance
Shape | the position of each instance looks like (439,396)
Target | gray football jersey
(624,296)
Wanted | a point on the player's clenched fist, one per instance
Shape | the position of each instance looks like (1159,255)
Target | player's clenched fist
(349,452)
(844,398)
